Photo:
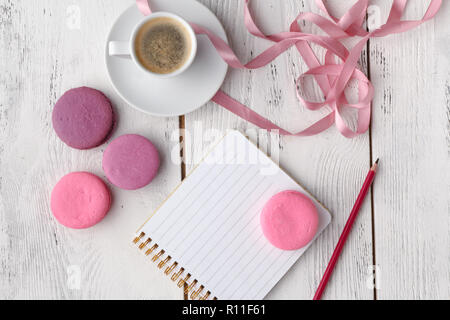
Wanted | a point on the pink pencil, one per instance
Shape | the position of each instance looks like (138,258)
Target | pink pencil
(348,227)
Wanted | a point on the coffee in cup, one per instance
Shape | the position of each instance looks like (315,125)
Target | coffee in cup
(162,45)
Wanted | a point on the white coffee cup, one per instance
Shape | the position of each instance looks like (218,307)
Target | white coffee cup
(127,48)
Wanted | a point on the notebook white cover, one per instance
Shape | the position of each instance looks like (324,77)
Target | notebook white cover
(210,224)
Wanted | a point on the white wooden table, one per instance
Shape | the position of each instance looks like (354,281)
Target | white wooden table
(49,46)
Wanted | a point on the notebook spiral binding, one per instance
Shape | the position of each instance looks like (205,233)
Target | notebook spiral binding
(174,271)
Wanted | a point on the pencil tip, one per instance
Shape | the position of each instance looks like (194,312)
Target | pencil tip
(375,165)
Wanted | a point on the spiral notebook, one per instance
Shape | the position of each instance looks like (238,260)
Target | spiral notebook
(206,235)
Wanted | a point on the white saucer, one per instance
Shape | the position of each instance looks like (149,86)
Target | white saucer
(174,96)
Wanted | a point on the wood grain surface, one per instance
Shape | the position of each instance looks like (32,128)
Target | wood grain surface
(44,53)
(410,132)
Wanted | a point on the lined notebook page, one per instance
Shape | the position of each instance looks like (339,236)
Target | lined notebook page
(210,224)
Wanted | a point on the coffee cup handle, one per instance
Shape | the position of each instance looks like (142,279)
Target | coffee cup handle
(120,49)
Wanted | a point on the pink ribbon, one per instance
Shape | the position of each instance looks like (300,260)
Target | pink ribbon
(332,77)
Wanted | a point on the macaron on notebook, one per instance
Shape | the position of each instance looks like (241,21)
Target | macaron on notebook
(207,237)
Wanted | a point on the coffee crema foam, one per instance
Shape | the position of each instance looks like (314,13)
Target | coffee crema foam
(163,45)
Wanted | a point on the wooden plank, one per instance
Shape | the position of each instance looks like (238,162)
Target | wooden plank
(411,135)
(48,47)
(329,165)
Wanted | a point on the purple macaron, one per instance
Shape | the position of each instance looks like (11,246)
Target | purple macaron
(130,162)
(83,118)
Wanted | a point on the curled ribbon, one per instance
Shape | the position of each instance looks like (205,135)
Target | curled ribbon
(332,77)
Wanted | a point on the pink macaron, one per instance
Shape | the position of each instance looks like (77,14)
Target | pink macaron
(289,220)
(80,200)
(83,118)
(131,162)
